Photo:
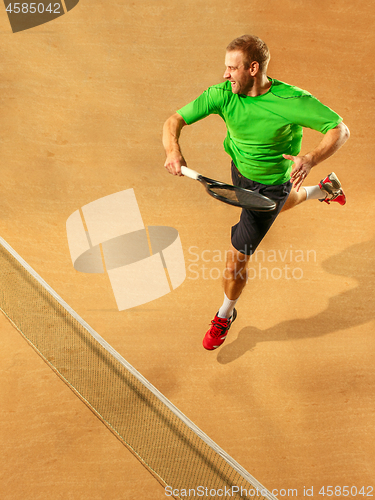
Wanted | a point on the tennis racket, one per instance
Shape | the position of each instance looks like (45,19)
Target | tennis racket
(233,195)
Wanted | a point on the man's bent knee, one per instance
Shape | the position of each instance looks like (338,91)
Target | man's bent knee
(233,255)
(236,265)
(236,273)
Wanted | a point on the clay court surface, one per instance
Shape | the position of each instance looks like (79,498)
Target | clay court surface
(290,395)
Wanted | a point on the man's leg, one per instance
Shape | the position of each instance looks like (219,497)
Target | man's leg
(329,189)
(295,198)
(234,280)
(235,274)
(305,193)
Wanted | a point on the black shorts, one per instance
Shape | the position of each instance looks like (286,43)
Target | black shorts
(253,226)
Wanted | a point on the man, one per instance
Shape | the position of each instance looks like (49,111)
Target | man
(264,119)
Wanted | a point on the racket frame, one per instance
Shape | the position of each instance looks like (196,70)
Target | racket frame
(209,183)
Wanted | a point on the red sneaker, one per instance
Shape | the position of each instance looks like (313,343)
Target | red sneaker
(218,331)
(332,186)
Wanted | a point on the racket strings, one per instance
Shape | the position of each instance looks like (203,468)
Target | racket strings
(239,196)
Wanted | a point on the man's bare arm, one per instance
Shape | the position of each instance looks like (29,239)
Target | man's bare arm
(331,142)
(171,134)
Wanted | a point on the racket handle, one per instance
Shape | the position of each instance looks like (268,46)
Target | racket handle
(190,173)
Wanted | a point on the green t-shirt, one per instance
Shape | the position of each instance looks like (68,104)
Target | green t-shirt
(261,129)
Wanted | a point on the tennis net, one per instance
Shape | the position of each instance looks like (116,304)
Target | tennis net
(179,455)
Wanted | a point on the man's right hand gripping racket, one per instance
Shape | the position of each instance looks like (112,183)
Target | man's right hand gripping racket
(233,195)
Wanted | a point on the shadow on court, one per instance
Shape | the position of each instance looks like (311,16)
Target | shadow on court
(345,310)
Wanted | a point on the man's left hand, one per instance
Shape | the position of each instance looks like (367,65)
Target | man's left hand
(301,169)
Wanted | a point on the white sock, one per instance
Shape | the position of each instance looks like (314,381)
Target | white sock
(226,309)
(314,193)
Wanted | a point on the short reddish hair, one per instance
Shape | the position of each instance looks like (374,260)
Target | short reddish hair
(253,49)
